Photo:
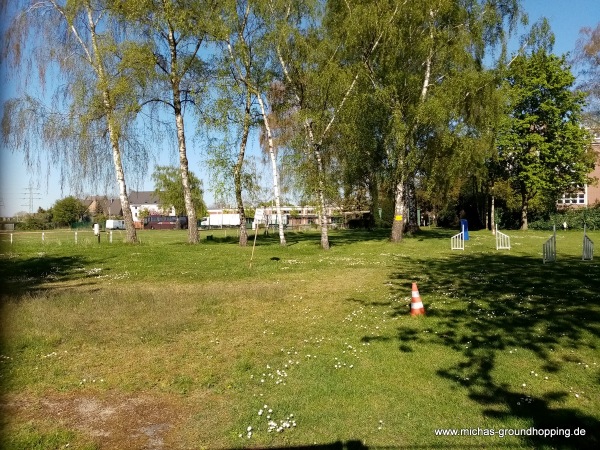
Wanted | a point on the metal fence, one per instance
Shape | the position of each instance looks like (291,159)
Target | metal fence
(588,247)
(549,248)
(457,242)
(502,240)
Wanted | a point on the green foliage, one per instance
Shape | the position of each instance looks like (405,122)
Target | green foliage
(100,218)
(542,146)
(427,107)
(369,95)
(32,222)
(143,213)
(574,217)
(68,210)
(169,189)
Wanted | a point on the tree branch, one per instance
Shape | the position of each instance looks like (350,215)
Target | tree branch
(75,33)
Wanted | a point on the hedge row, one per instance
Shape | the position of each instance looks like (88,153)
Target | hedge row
(575,218)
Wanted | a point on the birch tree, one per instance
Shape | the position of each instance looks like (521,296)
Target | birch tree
(247,52)
(426,49)
(322,58)
(232,173)
(172,35)
(81,43)
(587,59)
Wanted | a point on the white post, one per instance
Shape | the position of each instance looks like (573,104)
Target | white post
(97,231)
(43,237)
(76,237)
(11,241)
(110,239)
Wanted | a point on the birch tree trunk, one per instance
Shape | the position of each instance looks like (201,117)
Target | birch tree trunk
(131,234)
(322,206)
(398,223)
(237,170)
(493,214)
(400,194)
(274,170)
(193,235)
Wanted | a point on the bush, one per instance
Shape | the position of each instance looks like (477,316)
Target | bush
(448,217)
(574,217)
(32,223)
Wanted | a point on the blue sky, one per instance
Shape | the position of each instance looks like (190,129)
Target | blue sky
(566,19)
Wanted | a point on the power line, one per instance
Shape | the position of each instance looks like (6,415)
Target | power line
(31,196)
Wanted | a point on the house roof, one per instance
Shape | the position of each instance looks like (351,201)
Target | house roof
(143,198)
(112,205)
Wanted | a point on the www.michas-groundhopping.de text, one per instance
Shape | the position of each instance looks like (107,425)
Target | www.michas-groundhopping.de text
(504,432)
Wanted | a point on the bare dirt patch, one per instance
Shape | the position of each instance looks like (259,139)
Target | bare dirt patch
(112,420)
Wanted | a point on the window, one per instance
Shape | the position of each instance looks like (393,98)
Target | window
(577,197)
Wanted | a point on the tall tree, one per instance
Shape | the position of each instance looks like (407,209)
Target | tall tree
(322,60)
(80,42)
(238,65)
(247,53)
(587,58)
(67,210)
(175,32)
(542,146)
(427,50)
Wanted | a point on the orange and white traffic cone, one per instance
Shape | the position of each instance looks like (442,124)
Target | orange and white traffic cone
(416,305)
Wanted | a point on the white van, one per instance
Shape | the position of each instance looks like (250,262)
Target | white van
(115,225)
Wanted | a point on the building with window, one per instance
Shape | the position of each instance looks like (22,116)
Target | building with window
(588,195)
(146,201)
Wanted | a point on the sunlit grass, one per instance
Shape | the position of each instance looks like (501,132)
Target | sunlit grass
(323,339)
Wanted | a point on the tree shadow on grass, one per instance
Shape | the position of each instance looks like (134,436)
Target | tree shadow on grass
(336,237)
(482,305)
(358,445)
(27,276)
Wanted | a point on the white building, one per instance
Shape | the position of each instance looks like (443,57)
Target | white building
(146,200)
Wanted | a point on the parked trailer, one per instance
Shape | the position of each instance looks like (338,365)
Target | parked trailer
(115,224)
(221,220)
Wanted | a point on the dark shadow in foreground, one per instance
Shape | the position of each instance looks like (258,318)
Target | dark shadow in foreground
(358,445)
(491,304)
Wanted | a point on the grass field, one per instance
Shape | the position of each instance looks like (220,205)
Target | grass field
(165,345)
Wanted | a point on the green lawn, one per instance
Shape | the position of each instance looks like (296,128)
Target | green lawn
(168,345)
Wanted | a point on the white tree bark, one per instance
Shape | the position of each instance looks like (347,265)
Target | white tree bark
(96,63)
(193,235)
(274,170)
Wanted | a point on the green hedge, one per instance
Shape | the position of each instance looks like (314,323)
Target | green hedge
(574,217)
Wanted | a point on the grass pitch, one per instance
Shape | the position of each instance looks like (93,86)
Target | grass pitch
(168,345)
